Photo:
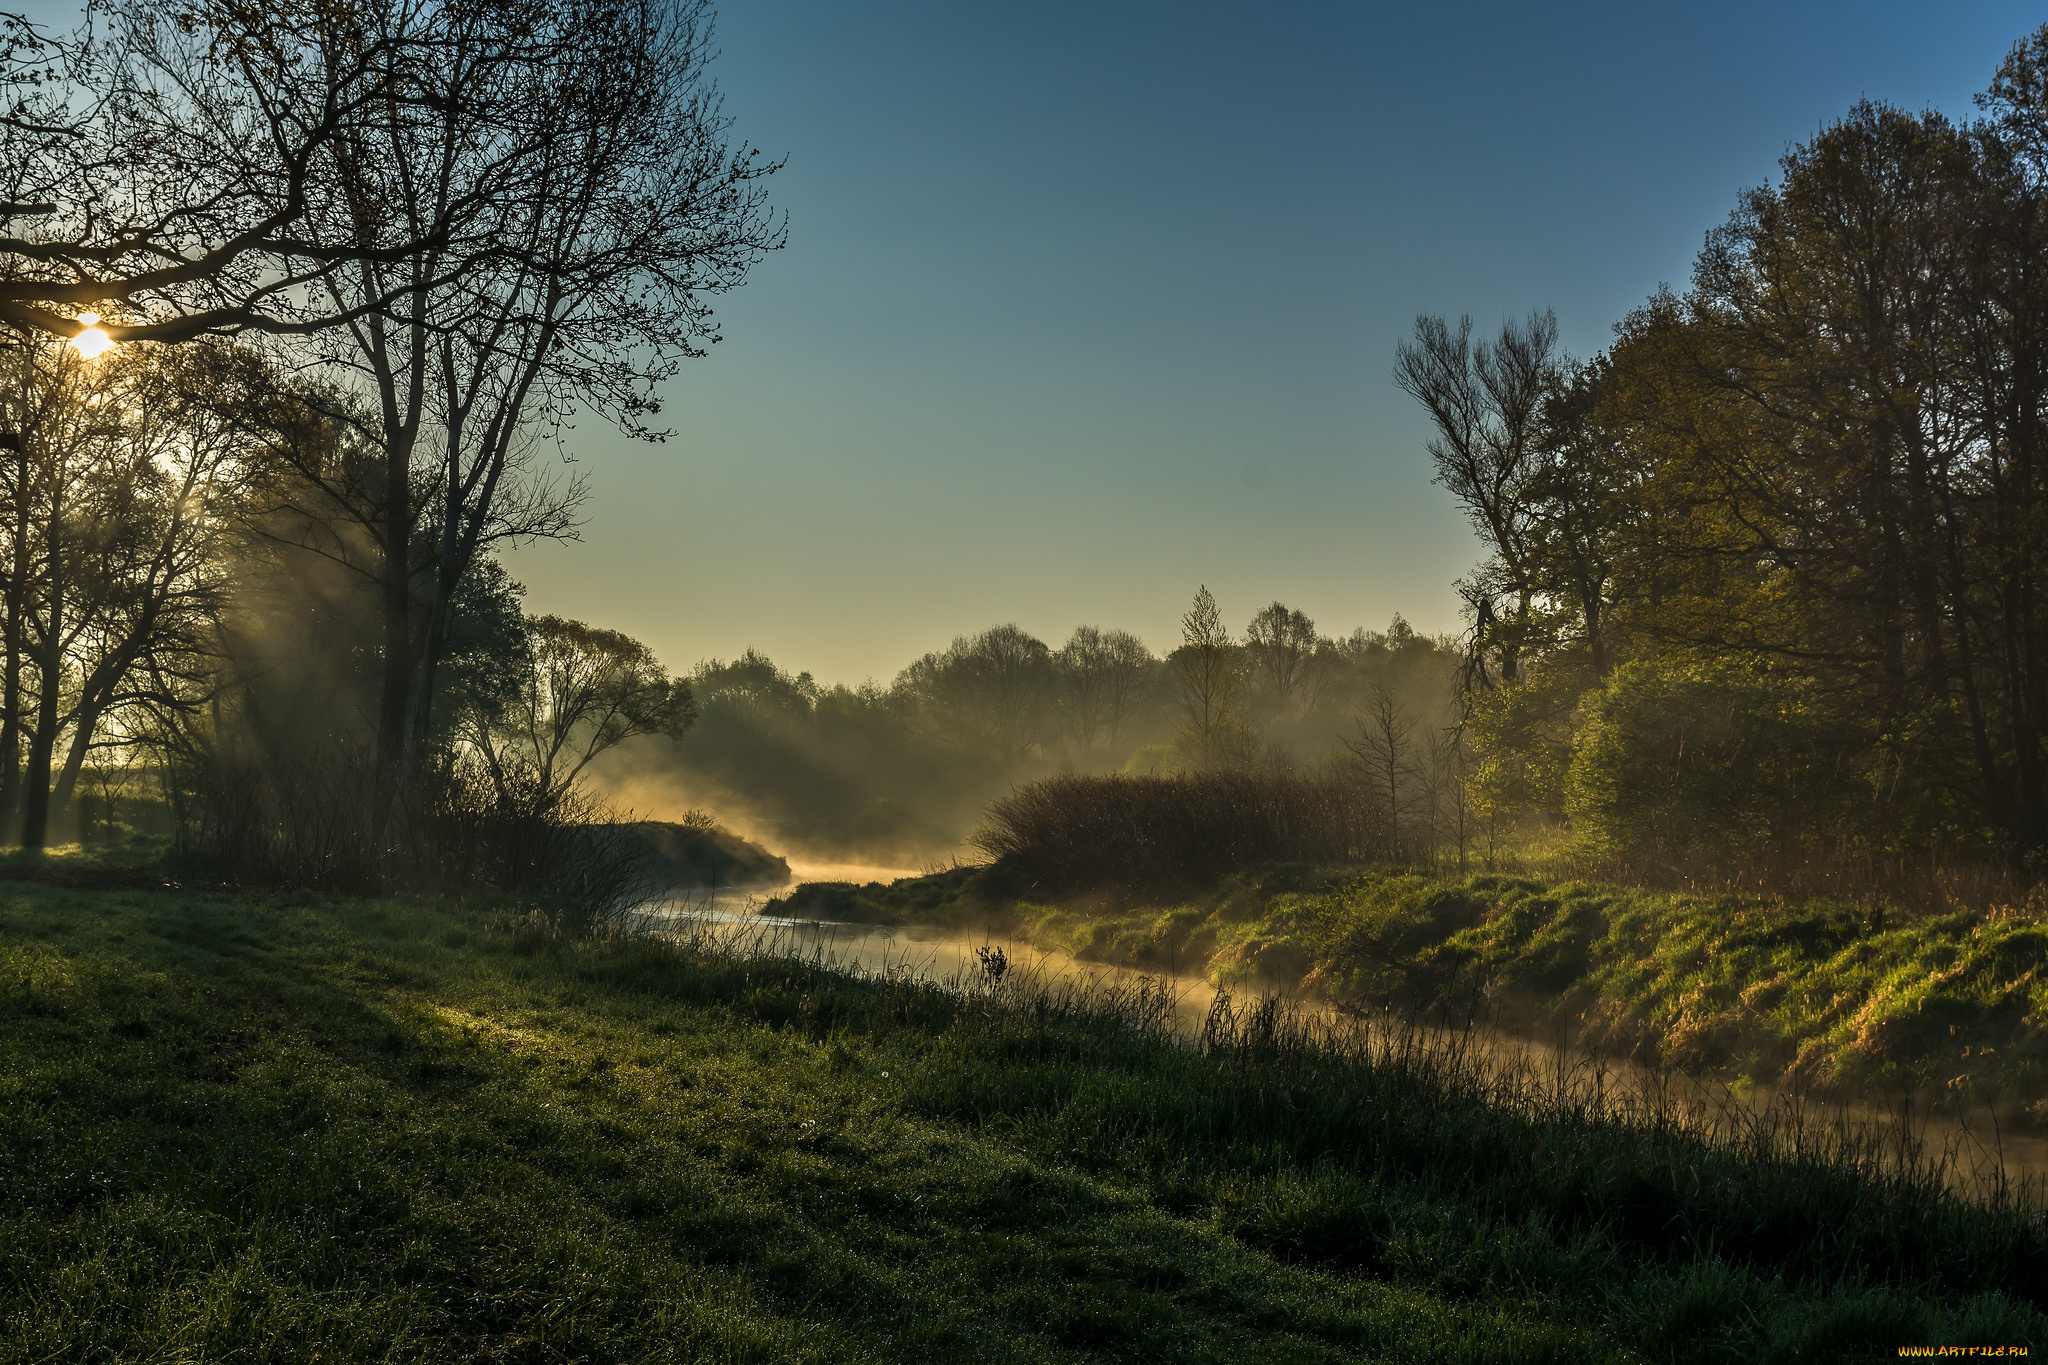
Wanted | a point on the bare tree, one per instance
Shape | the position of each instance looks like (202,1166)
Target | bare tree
(490,217)
(1440,778)
(1382,744)
(175,167)
(1486,402)
(635,208)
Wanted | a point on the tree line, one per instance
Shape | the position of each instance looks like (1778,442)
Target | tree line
(1766,576)
(903,770)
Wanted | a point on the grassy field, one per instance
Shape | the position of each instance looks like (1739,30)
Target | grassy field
(241,1127)
(1834,998)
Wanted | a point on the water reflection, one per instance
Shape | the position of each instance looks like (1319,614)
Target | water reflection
(946,955)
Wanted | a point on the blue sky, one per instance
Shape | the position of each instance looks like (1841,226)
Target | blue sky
(1087,304)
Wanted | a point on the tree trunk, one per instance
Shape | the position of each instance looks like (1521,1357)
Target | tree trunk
(14,607)
(35,824)
(90,708)
(396,592)
(418,722)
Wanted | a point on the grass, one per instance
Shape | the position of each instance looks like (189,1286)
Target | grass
(269,1127)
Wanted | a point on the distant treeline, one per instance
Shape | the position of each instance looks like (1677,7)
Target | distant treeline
(1768,579)
(904,772)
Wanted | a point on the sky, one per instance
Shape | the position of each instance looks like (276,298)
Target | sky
(1087,305)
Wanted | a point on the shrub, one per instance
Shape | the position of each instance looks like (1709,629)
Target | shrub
(1702,760)
(309,820)
(1134,834)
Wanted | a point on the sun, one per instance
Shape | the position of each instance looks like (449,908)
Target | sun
(91,342)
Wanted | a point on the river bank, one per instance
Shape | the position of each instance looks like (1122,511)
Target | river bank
(1837,1003)
(1964,1145)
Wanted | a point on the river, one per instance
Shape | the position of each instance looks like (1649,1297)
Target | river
(1975,1153)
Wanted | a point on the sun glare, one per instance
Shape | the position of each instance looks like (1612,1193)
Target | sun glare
(92,342)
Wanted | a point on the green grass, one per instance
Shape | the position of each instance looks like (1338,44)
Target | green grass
(270,1127)
(1753,988)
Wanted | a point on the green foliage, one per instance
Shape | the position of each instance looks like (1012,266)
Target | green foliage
(1719,758)
(1129,835)
(383,1129)
(1776,494)
(1520,733)
(903,773)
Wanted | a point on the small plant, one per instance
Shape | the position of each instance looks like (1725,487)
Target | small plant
(995,964)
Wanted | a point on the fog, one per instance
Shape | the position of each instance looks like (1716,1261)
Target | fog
(877,782)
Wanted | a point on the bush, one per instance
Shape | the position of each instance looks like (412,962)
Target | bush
(310,820)
(1137,834)
(1702,760)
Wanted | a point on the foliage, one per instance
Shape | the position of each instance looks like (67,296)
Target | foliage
(989,691)
(1213,732)
(1817,995)
(1814,470)
(1714,758)
(573,691)
(454,225)
(1282,641)
(1104,678)
(904,772)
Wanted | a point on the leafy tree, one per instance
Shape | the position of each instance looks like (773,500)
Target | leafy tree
(577,692)
(1677,759)
(1103,676)
(993,690)
(1281,642)
(1213,732)
(1821,465)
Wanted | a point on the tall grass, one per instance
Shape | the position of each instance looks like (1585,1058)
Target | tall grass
(1139,834)
(397,1129)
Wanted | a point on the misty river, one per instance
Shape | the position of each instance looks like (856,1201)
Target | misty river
(1975,1149)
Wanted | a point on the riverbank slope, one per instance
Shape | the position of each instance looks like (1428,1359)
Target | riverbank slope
(1833,999)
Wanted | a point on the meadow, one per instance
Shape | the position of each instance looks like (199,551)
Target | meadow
(255,1125)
